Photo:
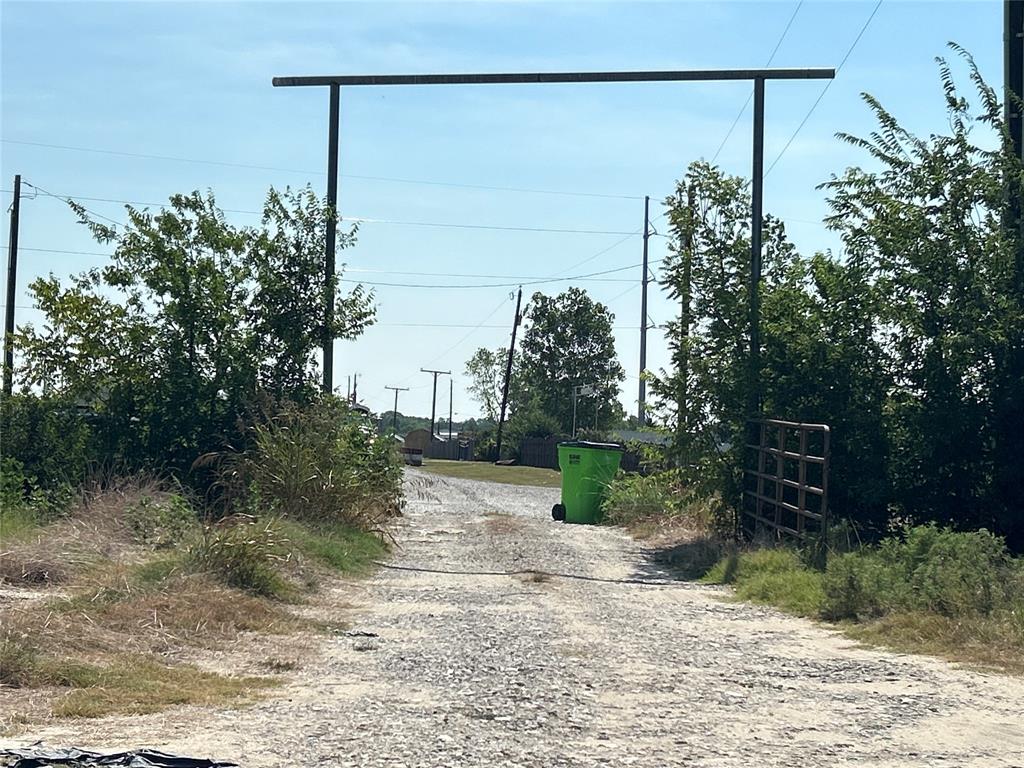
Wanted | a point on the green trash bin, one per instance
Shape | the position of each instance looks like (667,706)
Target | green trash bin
(587,469)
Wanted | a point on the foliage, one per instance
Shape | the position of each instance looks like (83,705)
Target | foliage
(772,577)
(910,347)
(55,443)
(927,569)
(323,463)
(192,322)
(337,545)
(161,521)
(244,553)
(486,372)
(631,498)
(568,342)
(23,503)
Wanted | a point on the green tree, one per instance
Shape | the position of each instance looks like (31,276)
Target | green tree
(192,323)
(568,342)
(486,372)
(930,223)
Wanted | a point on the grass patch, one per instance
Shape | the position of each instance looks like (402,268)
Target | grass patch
(334,544)
(494,473)
(139,686)
(771,577)
(17,521)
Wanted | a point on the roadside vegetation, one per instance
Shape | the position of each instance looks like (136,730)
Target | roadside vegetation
(922,589)
(172,481)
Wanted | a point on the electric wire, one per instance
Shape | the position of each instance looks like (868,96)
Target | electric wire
(751,94)
(824,90)
(250,166)
(369,220)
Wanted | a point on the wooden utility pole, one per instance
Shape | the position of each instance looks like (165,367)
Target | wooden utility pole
(394,413)
(433,402)
(508,372)
(451,406)
(641,412)
(12,283)
(756,201)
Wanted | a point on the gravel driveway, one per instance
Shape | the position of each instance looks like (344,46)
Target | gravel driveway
(452,663)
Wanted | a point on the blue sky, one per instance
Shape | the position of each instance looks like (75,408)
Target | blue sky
(192,80)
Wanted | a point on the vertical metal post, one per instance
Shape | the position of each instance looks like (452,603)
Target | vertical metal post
(508,373)
(451,406)
(641,413)
(756,200)
(12,282)
(332,231)
(1013,62)
(574,395)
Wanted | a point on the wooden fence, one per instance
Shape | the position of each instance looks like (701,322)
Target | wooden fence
(786,479)
(543,452)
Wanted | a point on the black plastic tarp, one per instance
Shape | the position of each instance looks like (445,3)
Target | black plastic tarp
(39,756)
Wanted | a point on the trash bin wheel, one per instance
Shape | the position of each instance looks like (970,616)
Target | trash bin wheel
(558,512)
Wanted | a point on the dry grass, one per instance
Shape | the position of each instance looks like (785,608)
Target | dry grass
(494,473)
(502,523)
(992,643)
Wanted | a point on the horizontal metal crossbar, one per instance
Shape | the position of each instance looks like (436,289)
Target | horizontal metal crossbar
(788,454)
(784,505)
(777,526)
(561,77)
(786,482)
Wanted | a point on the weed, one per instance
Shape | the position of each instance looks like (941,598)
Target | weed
(244,553)
(771,577)
(334,544)
(160,521)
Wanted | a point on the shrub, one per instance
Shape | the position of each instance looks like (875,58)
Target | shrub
(161,521)
(631,498)
(927,569)
(773,577)
(242,552)
(320,463)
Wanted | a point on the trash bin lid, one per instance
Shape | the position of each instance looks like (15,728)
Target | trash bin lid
(594,446)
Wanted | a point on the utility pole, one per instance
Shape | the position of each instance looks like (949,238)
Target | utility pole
(394,413)
(451,406)
(332,231)
(1013,61)
(508,371)
(355,388)
(641,413)
(756,200)
(433,403)
(12,281)
(348,388)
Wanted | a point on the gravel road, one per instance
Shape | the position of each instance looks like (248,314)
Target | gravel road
(449,662)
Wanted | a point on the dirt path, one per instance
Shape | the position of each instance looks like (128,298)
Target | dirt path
(614,666)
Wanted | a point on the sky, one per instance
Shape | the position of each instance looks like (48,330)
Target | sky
(191,84)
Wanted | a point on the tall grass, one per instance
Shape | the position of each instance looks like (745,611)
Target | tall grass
(322,463)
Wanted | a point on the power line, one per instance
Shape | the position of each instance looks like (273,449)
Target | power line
(501,285)
(226,164)
(751,94)
(368,220)
(828,84)
(69,201)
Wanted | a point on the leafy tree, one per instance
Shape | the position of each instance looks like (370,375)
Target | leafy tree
(568,342)
(930,223)
(191,325)
(486,371)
